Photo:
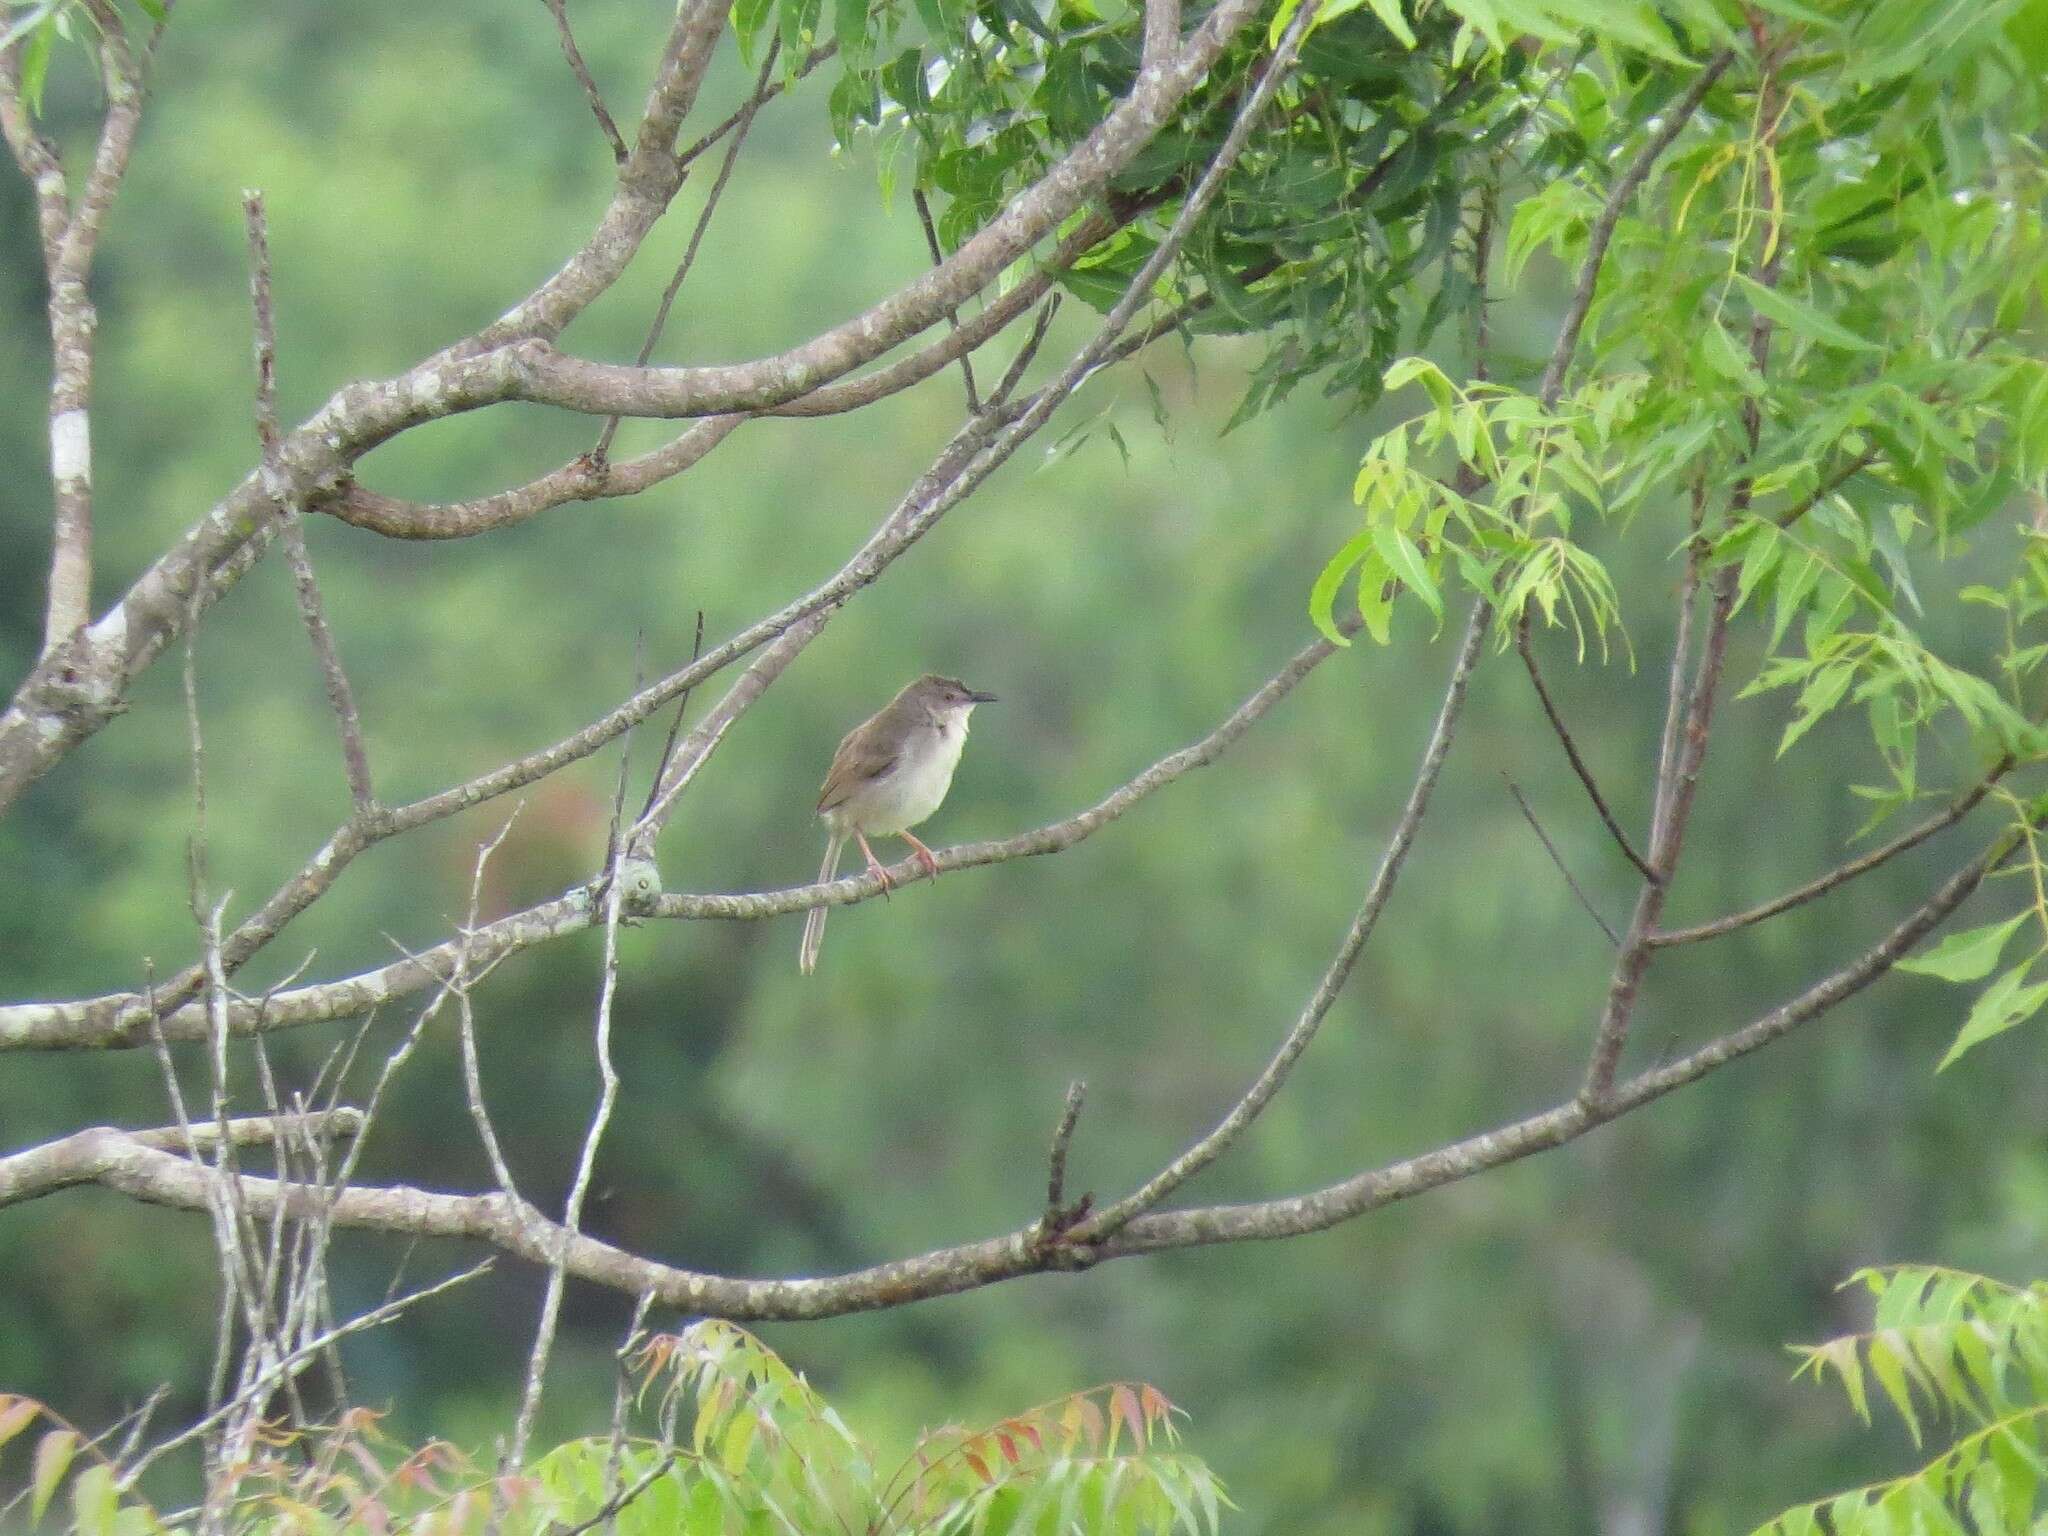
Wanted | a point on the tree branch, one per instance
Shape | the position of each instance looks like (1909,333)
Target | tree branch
(581,71)
(122,1020)
(1111,1219)
(1571,752)
(59,706)
(1842,875)
(118,1161)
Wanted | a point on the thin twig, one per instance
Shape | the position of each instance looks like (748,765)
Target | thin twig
(586,1162)
(675,284)
(755,102)
(1862,865)
(931,240)
(1676,117)
(622,1392)
(359,1324)
(581,70)
(355,757)
(465,1013)
(1571,751)
(1062,1139)
(1557,858)
(1112,1218)
(609,1510)
(675,727)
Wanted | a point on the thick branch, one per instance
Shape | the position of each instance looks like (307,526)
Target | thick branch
(581,479)
(121,1162)
(76,1159)
(59,706)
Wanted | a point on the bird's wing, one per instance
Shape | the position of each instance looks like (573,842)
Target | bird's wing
(865,755)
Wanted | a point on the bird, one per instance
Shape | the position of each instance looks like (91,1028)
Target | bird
(889,774)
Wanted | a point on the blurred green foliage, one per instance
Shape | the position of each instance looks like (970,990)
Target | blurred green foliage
(714,1435)
(1582,1340)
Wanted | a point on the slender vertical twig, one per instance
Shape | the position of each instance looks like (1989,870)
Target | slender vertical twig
(581,71)
(603,449)
(355,757)
(931,242)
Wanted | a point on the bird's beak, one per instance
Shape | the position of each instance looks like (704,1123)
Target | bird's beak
(980,698)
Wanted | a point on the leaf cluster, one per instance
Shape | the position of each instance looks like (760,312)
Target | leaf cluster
(1949,1347)
(742,1445)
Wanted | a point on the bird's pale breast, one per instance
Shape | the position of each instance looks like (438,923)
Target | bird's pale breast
(911,790)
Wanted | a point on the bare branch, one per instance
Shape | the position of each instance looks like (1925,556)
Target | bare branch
(40,1170)
(1355,1196)
(1556,858)
(581,479)
(593,1137)
(931,240)
(123,1020)
(1162,32)
(1059,1216)
(755,102)
(280,1369)
(118,1161)
(1571,751)
(675,284)
(340,697)
(35,154)
(1842,875)
(1111,1219)
(581,71)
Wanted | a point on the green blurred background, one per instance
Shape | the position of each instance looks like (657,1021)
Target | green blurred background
(1591,1341)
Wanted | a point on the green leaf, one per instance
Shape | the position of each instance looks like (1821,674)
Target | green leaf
(1968,956)
(2003,1004)
(53,1455)
(153,9)
(1389,14)
(1404,559)
(93,1500)
(1375,606)
(1322,597)
(748,18)
(1803,318)
(35,65)
(22,26)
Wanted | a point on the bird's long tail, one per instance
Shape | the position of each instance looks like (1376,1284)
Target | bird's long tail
(814,923)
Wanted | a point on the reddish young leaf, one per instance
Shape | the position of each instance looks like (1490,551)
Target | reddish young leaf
(1155,1403)
(973,1458)
(1091,1420)
(1123,1403)
(1008,1444)
(16,1414)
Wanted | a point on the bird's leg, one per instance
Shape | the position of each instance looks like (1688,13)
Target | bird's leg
(924,854)
(875,864)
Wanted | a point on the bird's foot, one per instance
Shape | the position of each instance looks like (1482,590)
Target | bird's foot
(875,866)
(924,855)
